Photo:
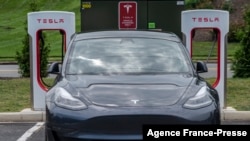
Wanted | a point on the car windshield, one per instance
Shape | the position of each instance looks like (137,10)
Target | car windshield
(127,56)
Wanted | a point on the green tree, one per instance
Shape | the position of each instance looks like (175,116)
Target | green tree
(199,4)
(241,60)
(23,57)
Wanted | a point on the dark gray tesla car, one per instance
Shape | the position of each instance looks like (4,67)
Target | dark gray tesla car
(111,83)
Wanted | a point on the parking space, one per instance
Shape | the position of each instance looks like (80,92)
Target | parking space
(39,135)
(22,131)
(13,131)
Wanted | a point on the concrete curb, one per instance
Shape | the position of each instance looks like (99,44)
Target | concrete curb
(231,114)
(28,115)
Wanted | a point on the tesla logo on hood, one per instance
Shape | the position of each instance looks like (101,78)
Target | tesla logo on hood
(134,100)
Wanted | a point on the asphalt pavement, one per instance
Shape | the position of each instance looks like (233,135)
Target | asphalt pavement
(13,131)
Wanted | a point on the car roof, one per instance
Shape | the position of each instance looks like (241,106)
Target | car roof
(127,33)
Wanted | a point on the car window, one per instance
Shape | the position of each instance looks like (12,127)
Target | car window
(127,56)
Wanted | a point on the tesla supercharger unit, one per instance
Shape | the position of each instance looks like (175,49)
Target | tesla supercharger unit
(210,19)
(164,15)
(39,21)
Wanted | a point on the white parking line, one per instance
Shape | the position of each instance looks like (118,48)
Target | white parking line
(29,132)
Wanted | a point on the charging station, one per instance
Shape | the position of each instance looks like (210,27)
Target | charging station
(112,15)
(162,15)
(218,20)
(116,15)
(37,22)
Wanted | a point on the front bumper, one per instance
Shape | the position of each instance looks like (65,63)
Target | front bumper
(119,123)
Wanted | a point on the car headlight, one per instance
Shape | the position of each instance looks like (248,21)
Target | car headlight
(201,99)
(66,100)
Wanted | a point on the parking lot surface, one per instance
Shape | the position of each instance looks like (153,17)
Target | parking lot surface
(13,131)
(35,131)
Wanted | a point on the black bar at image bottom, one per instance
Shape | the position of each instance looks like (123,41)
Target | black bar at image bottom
(162,132)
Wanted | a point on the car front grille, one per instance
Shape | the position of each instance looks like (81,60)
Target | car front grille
(126,124)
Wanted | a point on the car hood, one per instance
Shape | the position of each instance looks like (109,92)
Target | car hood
(132,90)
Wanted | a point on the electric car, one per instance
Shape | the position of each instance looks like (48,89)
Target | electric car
(111,83)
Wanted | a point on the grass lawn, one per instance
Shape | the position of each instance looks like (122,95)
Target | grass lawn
(207,50)
(15,94)
(13,15)
(238,95)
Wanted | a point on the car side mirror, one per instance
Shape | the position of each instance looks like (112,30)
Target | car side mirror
(201,67)
(54,68)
